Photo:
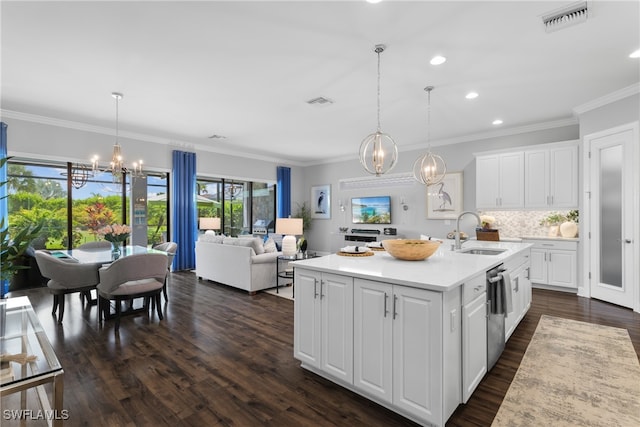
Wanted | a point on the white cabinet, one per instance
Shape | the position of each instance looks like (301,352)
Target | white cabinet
(323,322)
(500,181)
(551,178)
(519,273)
(554,263)
(474,335)
(398,354)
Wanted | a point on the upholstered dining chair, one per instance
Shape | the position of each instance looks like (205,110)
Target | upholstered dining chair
(128,278)
(170,248)
(101,244)
(65,277)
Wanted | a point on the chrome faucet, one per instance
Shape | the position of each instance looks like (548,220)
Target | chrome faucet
(458,245)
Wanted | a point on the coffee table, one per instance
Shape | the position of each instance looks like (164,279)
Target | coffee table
(21,333)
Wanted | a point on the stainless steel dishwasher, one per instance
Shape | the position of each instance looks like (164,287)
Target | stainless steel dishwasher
(496,313)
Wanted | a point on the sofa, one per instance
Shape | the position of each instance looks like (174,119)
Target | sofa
(246,263)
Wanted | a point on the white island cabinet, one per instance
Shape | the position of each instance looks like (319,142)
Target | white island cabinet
(392,330)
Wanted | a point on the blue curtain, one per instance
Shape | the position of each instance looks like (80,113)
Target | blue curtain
(185,229)
(284,192)
(4,213)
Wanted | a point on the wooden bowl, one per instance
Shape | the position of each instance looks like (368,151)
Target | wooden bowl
(409,249)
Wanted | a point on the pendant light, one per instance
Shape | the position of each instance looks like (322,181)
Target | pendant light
(429,168)
(117,166)
(378,151)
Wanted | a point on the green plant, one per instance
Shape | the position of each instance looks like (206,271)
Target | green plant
(14,242)
(554,218)
(304,212)
(574,216)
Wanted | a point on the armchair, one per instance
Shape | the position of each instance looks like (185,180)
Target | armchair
(65,277)
(130,277)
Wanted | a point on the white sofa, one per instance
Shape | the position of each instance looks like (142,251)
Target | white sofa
(234,262)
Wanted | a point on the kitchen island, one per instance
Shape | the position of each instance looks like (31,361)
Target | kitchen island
(409,335)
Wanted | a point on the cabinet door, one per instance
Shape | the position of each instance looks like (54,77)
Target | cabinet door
(562,268)
(372,338)
(511,320)
(417,352)
(538,272)
(336,296)
(564,177)
(487,181)
(306,312)
(511,180)
(536,178)
(474,333)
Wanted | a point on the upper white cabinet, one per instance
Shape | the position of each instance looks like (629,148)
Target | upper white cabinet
(540,177)
(551,178)
(500,181)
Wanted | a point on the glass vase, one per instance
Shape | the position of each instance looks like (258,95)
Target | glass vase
(116,250)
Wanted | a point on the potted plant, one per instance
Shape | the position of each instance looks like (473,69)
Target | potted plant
(13,244)
(305,213)
(569,228)
(553,221)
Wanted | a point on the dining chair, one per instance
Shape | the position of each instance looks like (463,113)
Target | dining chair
(65,277)
(128,278)
(170,248)
(100,244)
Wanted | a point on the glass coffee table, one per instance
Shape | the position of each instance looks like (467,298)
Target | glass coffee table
(32,363)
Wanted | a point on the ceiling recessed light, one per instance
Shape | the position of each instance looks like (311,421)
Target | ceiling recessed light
(497,122)
(437,60)
(373,1)
(635,54)
(471,95)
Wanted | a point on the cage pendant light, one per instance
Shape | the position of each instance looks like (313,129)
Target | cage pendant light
(429,168)
(378,151)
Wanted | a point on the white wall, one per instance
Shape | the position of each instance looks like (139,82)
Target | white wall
(412,222)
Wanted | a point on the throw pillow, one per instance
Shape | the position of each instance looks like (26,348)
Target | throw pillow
(270,246)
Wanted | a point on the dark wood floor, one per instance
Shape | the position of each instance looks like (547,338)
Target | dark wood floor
(221,357)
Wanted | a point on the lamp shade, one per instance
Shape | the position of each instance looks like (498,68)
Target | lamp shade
(289,226)
(209,223)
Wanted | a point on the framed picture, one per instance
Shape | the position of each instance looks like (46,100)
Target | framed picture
(321,202)
(444,200)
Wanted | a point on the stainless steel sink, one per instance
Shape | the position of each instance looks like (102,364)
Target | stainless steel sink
(482,251)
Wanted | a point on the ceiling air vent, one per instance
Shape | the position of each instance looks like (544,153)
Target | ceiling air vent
(215,136)
(575,13)
(321,100)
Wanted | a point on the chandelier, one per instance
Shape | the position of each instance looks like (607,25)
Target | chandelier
(117,166)
(378,151)
(429,168)
(79,174)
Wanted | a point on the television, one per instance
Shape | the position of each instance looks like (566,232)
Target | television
(371,210)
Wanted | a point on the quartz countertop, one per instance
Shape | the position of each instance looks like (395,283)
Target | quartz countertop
(443,271)
(560,238)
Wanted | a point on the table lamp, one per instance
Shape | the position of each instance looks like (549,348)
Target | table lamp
(289,227)
(209,224)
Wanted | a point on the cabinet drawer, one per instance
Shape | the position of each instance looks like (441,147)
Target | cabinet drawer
(517,260)
(553,244)
(473,287)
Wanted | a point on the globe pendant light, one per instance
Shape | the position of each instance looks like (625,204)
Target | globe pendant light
(429,168)
(378,151)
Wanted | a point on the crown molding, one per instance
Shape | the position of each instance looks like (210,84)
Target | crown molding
(607,99)
(183,145)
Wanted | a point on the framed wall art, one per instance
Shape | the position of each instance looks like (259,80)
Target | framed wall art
(444,200)
(321,201)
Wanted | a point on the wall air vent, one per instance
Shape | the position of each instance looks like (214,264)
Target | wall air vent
(321,100)
(575,13)
(214,136)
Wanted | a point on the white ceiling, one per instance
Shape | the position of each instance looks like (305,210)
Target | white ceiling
(245,70)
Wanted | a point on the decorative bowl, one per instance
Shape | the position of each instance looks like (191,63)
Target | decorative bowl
(410,249)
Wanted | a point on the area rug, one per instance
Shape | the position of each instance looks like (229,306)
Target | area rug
(283,292)
(574,374)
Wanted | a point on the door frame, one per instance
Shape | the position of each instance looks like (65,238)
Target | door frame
(585,213)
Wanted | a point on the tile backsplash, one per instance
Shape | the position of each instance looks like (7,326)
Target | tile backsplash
(521,223)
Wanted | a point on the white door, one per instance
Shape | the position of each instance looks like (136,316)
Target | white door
(614,213)
(306,312)
(417,352)
(372,338)
(336,296)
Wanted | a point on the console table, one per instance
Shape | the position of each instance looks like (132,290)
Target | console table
(21,333)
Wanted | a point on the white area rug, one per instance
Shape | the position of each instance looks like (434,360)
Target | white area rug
(574,374)
(283,292)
